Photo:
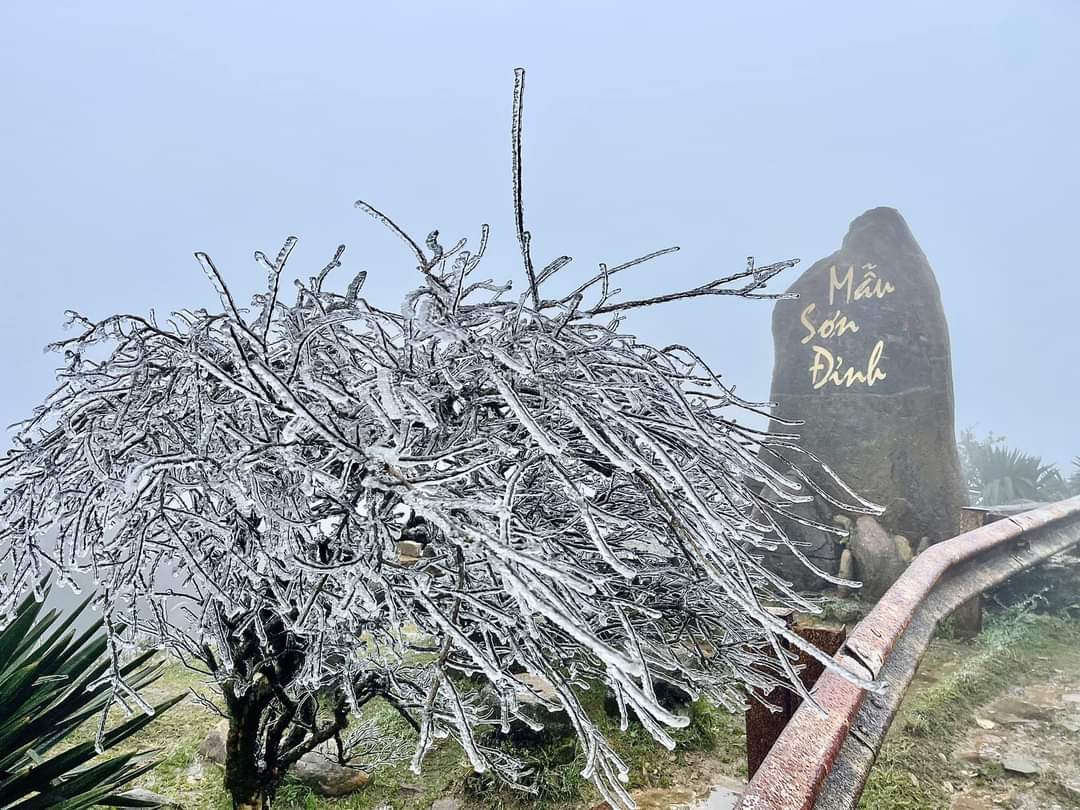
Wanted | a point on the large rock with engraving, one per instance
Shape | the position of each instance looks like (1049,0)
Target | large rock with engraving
(862,357)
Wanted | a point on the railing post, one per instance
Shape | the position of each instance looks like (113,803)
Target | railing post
(828,637)
(967,619)
(763,726)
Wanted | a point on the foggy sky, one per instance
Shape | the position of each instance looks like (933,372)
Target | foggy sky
(132,134)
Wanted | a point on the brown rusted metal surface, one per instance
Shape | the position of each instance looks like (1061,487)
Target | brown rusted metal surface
(971,518)
(764,722)
(827,637)
(763,725)
(967,619)
(822,761)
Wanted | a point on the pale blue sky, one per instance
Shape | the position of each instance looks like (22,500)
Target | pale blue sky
(134,133)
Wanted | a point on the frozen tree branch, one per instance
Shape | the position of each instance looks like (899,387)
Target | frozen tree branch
(588,507)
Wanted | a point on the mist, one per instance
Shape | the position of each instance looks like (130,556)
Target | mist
(135,135)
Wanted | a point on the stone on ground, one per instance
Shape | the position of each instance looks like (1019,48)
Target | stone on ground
(315,769)
(877,560)
(903,548)
(1018,764)
(143,795)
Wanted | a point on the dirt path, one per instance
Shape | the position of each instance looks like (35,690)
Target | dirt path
(701,786)
(1022,749)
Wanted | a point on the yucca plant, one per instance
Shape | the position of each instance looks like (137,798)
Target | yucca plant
(1008,475)
(50,684)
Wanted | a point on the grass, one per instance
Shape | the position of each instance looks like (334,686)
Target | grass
(910,770)
(914,762)
(175,737)
(847,611)
(554,756)
(557,760)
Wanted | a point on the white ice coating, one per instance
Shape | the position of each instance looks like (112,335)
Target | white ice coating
(585,503)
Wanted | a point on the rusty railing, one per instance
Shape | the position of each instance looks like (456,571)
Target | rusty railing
(822,763)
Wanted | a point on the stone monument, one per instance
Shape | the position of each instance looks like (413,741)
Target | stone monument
(862,358)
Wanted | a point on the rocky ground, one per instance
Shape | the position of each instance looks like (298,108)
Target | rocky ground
(1022,749)
(989,723)
(993,723)
(699,784)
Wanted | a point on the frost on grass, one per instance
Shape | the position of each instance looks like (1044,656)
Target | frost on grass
(589,509)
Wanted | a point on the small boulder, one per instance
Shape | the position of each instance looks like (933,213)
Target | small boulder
(538,701)
(410,548)
(877,561)
(326,777)
(1010,711)
(213,747)
(446,804)
(143,795)
(981,747)
(903,548)
(846,571)
(1021,765)
(897,512)
(535,691)
(671,697)
(847,565)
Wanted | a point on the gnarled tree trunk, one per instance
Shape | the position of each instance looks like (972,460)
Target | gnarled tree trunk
(250,786)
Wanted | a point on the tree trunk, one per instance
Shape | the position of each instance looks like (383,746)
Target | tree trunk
(245,787)
(247,783)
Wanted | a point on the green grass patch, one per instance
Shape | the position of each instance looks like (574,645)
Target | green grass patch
(554,755)
(557,759)
(845,610)
(914,762)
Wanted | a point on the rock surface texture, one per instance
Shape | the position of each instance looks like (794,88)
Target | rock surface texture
(316,769)
(862,358)
(878,560)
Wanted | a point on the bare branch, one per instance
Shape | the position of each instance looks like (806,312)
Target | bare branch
(524,238)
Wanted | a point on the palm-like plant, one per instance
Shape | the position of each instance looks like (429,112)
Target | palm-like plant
(50,683)
(1006,475)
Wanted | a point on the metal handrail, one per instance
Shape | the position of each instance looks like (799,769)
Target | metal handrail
(822,763)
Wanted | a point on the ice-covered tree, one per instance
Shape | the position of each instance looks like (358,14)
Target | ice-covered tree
(321,502)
